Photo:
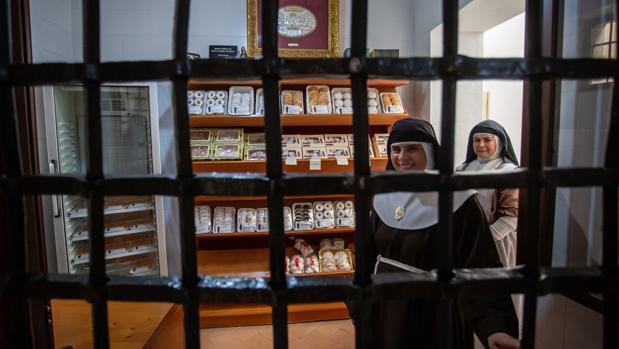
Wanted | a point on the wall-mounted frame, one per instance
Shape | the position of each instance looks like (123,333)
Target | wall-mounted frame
(307,28)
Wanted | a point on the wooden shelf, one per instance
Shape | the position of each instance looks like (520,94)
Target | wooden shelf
(330,197)
(223,120)
(195,84)
(227,315)
(315,232)
(249,262)
(302,166)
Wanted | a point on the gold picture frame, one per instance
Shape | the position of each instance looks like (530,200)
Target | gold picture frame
(326,48)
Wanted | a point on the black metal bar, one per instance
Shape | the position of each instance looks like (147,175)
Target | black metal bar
(94,173)
(421,68)
(611,209)
(275,199)
(244,184)
(184,174)
(533,50)
(244,290)
(363,236)
(444,244)
(14,303)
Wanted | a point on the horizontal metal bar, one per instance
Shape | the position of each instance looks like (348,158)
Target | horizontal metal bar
(137,185)
(467,282)
(309,184)
(462,67)
(250,184)
(233,184)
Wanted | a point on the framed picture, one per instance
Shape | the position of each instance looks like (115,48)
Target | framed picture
(306,28)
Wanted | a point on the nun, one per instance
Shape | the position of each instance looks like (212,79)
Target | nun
(404,232)
(490,149)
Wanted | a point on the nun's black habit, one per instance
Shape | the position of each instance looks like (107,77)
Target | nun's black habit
(412,241)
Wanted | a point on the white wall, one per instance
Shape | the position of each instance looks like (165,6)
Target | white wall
(479,36)
(505,97)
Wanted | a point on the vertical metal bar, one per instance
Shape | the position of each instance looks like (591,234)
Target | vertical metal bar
(18,332)
(533,50)
(184,174)
(363,267)
(445,166)
(94,173)
(272,128)
(610,231)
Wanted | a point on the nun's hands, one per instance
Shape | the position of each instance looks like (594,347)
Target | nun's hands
(502,340)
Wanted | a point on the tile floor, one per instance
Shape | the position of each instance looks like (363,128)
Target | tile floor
(323,334)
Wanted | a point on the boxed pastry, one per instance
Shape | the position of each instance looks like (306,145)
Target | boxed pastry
(292,102)
(201,152)
(380,143)
(323,215)
(260,101)
(241,100)
(313,140)
(246,220)
(292,152)
(225,151)
(335,260)
(255,138)
(314,152)
(391,102)
(342,100)
(302,216)
(344,214)
(223,220)
(229,135)
(338,151)
(200,136)
(215,102)
(340,140)
(370,151)
(317,99)
(195,102)
(202,218)
(262,219)
(373,103)
(255,152)
(291,140)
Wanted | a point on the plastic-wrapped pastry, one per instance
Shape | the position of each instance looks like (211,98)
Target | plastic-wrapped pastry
(297,264)
(303,247)
(311,264)
(286,264)
(325,244)
(341,261)
(327,262)
(338,243)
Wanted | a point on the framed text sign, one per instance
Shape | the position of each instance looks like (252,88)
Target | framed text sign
(306,28)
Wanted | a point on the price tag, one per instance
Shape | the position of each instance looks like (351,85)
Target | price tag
(291,161)
(314,164)
(321,109)
(341,160)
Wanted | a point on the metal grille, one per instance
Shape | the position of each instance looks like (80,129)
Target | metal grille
(191,289)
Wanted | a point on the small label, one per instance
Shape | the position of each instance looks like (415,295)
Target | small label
(321,109)
(314,164)
(292,109)
(291,161)
(395,109)
(344,110)
(241,110)
(341,160)
(215,109)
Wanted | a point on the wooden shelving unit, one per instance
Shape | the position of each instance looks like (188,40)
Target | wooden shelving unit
(247,254)
(387,83)
(291,120)
(326,166)
(300,233)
